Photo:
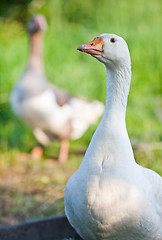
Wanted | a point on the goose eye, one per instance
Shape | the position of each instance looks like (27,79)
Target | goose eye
(113,40)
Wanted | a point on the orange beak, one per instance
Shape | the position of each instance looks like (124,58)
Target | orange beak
(94,47)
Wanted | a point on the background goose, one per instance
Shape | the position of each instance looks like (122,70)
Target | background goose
(110,196)
(49,111)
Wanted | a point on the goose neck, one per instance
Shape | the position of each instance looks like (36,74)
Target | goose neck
(36,50)
(118,84)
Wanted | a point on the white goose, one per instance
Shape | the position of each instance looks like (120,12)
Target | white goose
(110,196)
(48,110)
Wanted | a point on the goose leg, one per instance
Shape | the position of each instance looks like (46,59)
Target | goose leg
(37,152)
(64,150)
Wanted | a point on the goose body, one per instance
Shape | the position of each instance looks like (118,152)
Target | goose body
(50,111)
(110,196)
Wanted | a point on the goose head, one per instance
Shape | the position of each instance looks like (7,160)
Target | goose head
(36,24)
(112,50)
(109,49)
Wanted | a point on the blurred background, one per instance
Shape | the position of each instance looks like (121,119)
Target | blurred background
(32,189)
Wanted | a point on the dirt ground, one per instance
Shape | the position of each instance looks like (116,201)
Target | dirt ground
(31,189)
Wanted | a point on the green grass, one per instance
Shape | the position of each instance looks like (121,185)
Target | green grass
(72,23)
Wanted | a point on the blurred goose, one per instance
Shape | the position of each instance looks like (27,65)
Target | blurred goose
(110,196)
(48,110)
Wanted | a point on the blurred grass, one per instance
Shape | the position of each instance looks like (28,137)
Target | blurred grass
(72,23)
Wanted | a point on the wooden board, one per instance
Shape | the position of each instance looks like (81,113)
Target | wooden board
(52,228)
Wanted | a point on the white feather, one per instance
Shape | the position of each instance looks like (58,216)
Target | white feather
(110,196)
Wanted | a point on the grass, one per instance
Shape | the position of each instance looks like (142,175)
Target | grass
(31,189)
